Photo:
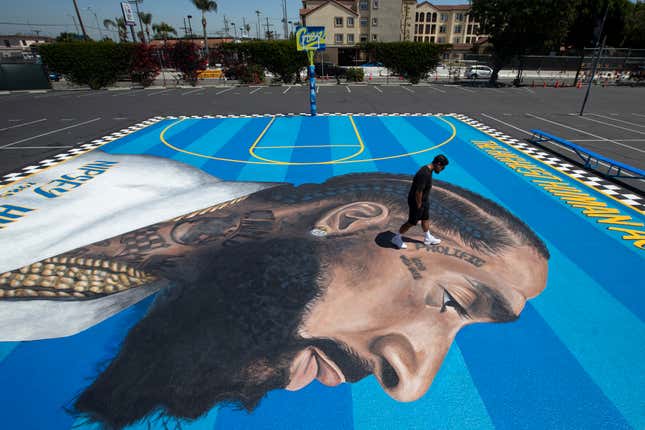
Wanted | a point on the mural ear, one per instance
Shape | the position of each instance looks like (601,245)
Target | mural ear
(352,217)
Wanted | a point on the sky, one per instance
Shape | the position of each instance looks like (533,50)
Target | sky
(51,17)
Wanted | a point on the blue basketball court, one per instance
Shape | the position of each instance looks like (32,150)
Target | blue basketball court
(574,359)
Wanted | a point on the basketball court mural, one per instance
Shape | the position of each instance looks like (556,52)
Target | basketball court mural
(238,272)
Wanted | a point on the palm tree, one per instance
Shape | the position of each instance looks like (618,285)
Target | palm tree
(247,28)
(205,6)
(146,19)
(119,24)
(162,30)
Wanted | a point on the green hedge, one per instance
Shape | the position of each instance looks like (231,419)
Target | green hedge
(355,74)
(279,57)
(97,64)
(412,60)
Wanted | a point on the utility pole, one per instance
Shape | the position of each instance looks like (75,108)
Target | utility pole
(190,26)
(80,20)
(234,30)
(226,28)
(268,29)
(185,29)
(74,20)
(257,12)
(136,3)
(285,19)
(243,28)
(595,64)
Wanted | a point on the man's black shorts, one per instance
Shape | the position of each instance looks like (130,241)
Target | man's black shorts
(418,214)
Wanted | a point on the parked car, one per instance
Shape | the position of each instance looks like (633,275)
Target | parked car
(479,71)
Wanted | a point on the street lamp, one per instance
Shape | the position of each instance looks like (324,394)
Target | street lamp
(190,26)
(234,30)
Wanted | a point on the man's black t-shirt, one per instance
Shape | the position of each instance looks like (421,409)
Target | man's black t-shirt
(422,182)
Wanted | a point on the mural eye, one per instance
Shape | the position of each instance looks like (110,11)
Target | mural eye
(449,301)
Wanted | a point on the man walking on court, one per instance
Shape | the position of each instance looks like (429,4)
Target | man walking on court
(419,202)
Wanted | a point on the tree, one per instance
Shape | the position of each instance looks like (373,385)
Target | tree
(69,37)
(119,24)
(516,28)
(412,60)
(635,26)
(163,31)
(205,6)
(146,19)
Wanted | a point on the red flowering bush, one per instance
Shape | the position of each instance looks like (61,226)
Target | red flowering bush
(145,65)
(186,58)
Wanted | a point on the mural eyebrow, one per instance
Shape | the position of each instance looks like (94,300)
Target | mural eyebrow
(490,303)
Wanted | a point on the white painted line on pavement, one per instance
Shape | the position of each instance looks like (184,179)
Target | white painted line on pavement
(157,93)
(22,125)
(407,89)
(15,120)
(49,132)
(637,114)
(613,125)
(256,90)
(529,90)
(379,90)
(465,89)
(348,90)
(92,93)
(191,91)
(617,120)
(585,132)
(436,89)
(287,90)
(224,91)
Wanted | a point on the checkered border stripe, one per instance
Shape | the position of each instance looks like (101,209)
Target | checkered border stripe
(75,152)
(588,178)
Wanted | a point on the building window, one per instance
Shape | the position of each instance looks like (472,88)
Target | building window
(458,29)
(427,28)
(427,39)
(416,17)
(441,40)
(363,38)
(456,40)
(374,22)
(374,37)
(364,21)
(459,17)
(444,17)
(476,29)
(364,5)
(442,29)
(433,29)
(350,21)
(432,39)
(350,38)
(416,28)
(469,30)
(434,17)
(467,39)
(421,17)
(338,21)
(338,38)
(375,4)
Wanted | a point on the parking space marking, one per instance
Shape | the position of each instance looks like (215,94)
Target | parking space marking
(348,90)
(637,114)
(24,124)
(465,89)
(256,90)
(50,132)
(90,93)
(157,93)
(613,125)
(379,90)
(191,91)
(287,90)
(224,91)
(585,132)
(407,89)
(436,89)
(617,120)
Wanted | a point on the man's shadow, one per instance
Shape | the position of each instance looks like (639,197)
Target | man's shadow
(384,240)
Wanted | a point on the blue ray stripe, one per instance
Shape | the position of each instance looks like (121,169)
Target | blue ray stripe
(200,138)
(412,140)
(313,131)
(609,262)
(185,134)
(603,336)
(6,348)
(283,132)
(139,142)
(314,407)
(452,402)
(527,378)
(340,133)
(48,374)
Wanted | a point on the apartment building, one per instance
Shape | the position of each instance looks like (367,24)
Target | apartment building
(18,46)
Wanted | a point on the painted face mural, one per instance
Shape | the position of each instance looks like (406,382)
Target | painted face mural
(287,285)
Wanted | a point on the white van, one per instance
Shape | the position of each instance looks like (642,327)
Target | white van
(479,71)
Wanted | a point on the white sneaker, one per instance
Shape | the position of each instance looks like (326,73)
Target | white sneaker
(431,240)
(397,241)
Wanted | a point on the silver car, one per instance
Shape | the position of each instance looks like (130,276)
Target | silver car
(476,72)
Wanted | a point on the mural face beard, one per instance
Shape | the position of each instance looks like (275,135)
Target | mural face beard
(228,337)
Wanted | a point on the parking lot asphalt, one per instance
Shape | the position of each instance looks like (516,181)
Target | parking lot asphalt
(37,125)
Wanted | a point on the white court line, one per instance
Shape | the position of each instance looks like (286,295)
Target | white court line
(614,125)
(22,125)
(192,91)
(465,89)
(637,114)
(598,140)
(585,132)
(554,143)
(256,90)
(348,90)
(617,120)
(287,90)
(49,132)
(224,91)
(436,89)
(379,90)
(157,93)
(407,89)
(35,147)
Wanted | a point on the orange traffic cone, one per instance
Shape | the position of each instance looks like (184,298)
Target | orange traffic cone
(543,84)
(556,84)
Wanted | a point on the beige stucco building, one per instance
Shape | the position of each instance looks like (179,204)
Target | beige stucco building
(349,22)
